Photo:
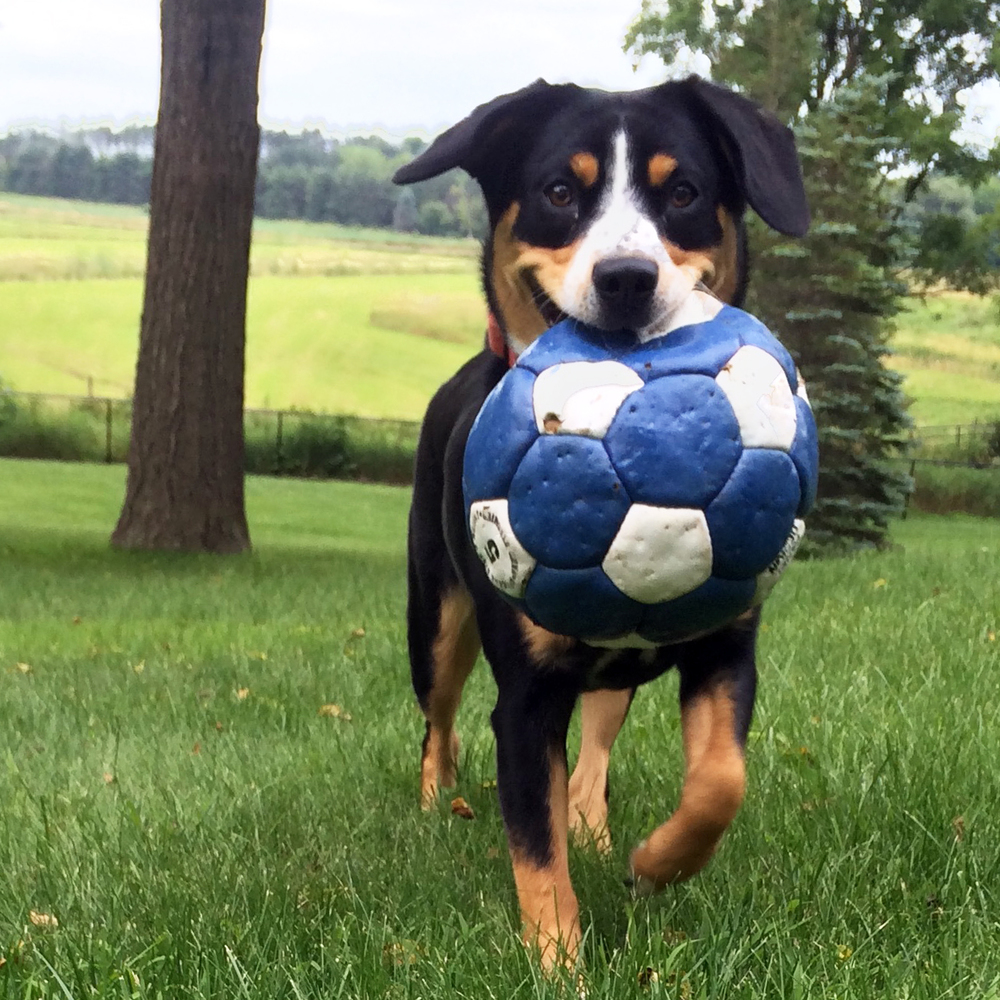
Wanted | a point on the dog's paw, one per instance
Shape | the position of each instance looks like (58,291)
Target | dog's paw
(588,812)
(638,884)
(438,767)
(588,837)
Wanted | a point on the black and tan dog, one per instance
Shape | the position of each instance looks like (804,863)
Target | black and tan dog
(610,208)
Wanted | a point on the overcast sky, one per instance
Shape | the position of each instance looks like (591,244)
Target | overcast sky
(397,65)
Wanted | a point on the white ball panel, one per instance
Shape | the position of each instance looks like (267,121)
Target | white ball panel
(659,553)
(758,390)
(801,391)
(773,573)
(508,564)
(581,397)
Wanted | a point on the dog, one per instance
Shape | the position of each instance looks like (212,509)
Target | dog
(609,208)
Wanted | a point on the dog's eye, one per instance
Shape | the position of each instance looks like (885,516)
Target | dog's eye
(560,194)
(682,195)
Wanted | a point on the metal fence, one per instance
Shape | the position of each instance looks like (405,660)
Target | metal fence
(97,428)
(975,445)
(108,411)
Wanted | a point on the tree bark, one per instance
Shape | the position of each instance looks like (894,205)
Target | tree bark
(185,466)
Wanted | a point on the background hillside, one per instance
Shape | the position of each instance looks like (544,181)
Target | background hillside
(350,320)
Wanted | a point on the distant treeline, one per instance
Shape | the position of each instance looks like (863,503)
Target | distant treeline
(88,165)
(954,230)
(300,176)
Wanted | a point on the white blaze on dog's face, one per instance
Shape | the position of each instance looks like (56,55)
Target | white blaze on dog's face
(616,231)
(622,244)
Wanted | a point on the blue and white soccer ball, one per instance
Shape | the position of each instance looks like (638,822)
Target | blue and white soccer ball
(633,495)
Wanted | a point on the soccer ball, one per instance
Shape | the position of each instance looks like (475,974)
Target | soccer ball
(636,494)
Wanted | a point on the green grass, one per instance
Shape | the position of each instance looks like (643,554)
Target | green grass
(173,796)
(340,320)
(53,239)
(311,341)
(941,489)
(31,217)
(948,347)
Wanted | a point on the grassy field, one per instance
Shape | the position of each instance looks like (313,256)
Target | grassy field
(350,321)
(948,347)
(340,320)
(340,345)
(182,818)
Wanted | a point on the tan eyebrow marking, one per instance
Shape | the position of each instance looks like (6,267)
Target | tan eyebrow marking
(586,168)
(661,166)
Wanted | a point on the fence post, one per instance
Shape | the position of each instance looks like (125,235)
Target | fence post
(906,502)
(278,458)
(108,417)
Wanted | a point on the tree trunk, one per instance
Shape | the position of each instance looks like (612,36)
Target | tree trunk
(185,464)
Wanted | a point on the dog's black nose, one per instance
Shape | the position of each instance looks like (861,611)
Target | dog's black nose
(625,286)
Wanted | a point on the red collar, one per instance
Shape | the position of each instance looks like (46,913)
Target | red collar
(497,342)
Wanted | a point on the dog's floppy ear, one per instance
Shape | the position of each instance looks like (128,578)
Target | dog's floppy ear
(477,143)
(764,156)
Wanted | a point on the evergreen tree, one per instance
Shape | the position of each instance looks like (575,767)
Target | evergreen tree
(830,298)
(794,54)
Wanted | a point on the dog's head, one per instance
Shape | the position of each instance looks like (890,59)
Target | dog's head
(612,207)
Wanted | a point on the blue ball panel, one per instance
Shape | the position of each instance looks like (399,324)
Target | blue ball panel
(805,455)
(580,602)
(675,441)
(753,333)
(712,604)
(572,341)
(503,431)
(752,516)
(566,501)
(701,349)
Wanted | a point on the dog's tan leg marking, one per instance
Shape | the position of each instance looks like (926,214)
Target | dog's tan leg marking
(455,650)
(714,784)
(601,716)
(544,647)
(550,914)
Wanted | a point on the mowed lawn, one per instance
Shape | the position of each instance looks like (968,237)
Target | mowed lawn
(185,814)
(344,320)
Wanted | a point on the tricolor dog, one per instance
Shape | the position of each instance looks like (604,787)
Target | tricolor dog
(610,208)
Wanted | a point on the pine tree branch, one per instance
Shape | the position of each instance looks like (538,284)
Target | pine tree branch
(914,183)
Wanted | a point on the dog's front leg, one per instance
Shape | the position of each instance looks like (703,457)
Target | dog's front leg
(602,714)
(718,683)
(530,721)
